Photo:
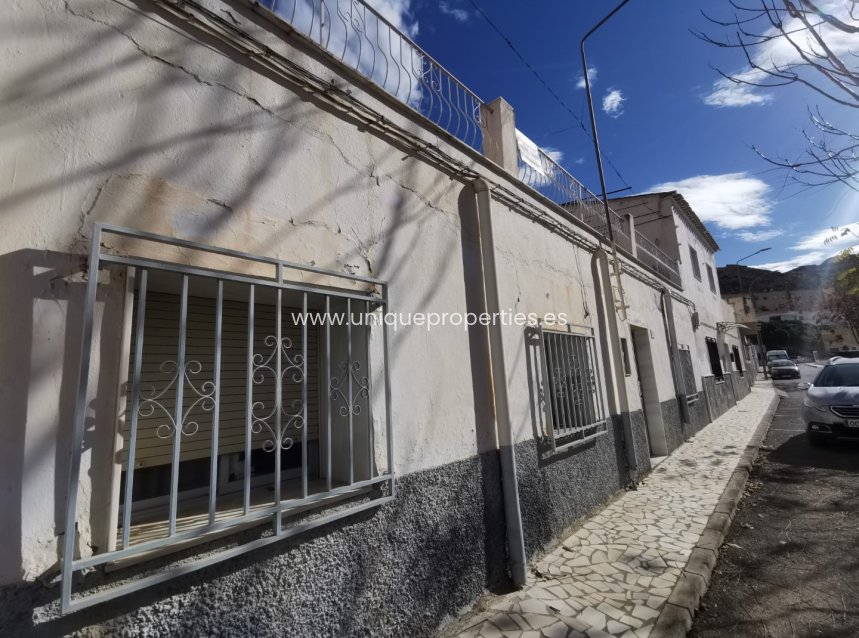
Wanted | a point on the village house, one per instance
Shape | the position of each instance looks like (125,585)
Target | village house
(301,334)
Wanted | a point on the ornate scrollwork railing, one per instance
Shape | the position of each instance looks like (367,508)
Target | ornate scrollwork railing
(152,401)
(378,49)
(349,379)
(266,366)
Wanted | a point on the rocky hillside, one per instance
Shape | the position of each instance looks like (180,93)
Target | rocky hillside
(802,278)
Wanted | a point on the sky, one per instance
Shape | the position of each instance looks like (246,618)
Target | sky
(667,121)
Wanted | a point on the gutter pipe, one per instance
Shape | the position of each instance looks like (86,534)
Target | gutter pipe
(498,387)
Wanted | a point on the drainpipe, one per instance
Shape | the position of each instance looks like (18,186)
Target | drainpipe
(498,385)
(674,353)
(610,347)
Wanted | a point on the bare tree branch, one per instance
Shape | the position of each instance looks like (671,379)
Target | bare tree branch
(800,42)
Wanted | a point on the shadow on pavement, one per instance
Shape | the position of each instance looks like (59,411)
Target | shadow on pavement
(837,455)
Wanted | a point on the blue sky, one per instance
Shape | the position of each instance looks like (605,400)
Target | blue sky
(655,78)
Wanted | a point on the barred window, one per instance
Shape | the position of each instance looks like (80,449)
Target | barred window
(572,392)
(251,396)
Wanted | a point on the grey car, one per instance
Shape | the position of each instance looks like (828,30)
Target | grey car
(830,409)
(784,369)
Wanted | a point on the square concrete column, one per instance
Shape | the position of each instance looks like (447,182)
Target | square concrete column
(498,123)
(630,224)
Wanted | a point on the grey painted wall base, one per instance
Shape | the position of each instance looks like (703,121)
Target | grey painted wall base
(675,433)
(699,416)
(556,490)
(742,385)
(719,395)
(638,428)
(396,571)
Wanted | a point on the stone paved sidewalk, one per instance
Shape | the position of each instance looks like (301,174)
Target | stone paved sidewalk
(613,575)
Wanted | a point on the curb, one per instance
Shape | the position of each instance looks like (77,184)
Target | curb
(675,620)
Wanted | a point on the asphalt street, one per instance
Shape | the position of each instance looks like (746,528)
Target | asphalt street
(790,563)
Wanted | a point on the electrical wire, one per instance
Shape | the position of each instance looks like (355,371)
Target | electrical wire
(564,105)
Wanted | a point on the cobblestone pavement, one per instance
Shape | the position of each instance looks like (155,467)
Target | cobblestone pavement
(613,575)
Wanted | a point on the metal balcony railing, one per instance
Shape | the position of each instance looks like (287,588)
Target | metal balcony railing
(650,254)
(362,38)
(554,182)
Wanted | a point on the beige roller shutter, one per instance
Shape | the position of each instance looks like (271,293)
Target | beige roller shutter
(161,342)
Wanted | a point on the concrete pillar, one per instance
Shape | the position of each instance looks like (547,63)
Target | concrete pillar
(498,123)
(630,223)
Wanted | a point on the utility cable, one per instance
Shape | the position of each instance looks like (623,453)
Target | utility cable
(564,105)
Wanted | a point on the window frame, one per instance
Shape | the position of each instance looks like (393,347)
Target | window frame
(696,266)
(193,259)
(570,349)
(711,278)
(715,359)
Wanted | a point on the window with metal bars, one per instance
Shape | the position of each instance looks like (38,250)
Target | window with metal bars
(572,390)
(253,394)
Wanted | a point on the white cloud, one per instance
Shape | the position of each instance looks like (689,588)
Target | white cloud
(779,53)
(817,247)
(728,93)
(760,235)
(460,15)
(732,200)
(790,264)
(612,103)
(592,76)
(398,13)
(554,154)
(818,240)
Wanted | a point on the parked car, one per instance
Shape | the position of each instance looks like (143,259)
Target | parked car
(775,355)
(830,409)
(784,369)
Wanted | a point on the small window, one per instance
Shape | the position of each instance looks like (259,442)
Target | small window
(624,350)
(574,400)
(715,361)
(710,278)
(696,268)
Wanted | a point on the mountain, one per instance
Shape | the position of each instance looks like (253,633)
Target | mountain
(801,278)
